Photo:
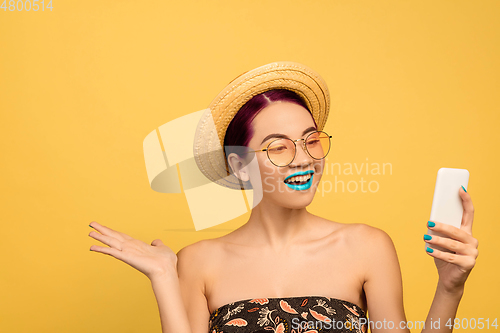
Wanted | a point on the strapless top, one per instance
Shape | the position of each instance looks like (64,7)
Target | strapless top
(308,314)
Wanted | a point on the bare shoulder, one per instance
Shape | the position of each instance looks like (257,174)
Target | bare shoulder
(373,249)
(367,235)
(363,237)
(195,265)
(376,248)
(192,249)
(197,255)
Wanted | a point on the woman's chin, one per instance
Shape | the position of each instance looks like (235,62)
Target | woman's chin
(293,199)
(297,204)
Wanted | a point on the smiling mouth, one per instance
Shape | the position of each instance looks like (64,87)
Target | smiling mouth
(298,180)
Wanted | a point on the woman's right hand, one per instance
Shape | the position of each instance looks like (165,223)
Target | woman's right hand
(152,260)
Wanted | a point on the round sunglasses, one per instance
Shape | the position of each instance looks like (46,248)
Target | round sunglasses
(281,152)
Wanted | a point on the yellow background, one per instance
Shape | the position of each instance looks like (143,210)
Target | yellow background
(412,83)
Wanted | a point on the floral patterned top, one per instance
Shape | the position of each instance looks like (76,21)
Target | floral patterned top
(309,314)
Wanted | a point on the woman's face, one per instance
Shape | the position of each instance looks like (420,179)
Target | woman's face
(284,119)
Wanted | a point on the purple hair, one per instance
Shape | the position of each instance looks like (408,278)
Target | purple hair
(240,132)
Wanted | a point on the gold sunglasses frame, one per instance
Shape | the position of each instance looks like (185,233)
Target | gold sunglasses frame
(295,145)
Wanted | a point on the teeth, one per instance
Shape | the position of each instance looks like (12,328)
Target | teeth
(299,179)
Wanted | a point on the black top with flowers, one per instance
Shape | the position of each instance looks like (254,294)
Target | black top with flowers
(309,314)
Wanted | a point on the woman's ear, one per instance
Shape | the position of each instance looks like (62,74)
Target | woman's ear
(238,166)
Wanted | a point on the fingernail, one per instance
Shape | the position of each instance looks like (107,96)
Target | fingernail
(464,189)
(429,250)
(431,224)
(91,226)
(427,237)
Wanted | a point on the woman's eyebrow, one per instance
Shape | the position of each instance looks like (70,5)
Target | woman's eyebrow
(283,136)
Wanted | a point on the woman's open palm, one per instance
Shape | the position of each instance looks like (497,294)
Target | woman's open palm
(152,260)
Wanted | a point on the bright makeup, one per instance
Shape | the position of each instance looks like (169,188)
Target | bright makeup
(303,185)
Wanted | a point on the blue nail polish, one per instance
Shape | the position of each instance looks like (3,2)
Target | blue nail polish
(464,189)
(427,237)
(429,250)
(91,226)
(431,224)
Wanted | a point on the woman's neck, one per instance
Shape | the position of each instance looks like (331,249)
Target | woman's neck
(278,227)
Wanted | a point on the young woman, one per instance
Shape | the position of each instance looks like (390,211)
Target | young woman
(285,270)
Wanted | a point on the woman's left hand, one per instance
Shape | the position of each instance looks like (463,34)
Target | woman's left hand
(454,268)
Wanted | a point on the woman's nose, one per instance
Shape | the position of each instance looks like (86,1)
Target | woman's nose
(301,156)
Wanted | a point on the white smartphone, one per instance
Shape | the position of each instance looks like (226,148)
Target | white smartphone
(447,204)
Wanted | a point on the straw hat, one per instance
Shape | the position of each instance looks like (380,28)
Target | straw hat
(209,137)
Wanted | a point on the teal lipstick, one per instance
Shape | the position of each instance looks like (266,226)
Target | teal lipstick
(304,186)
